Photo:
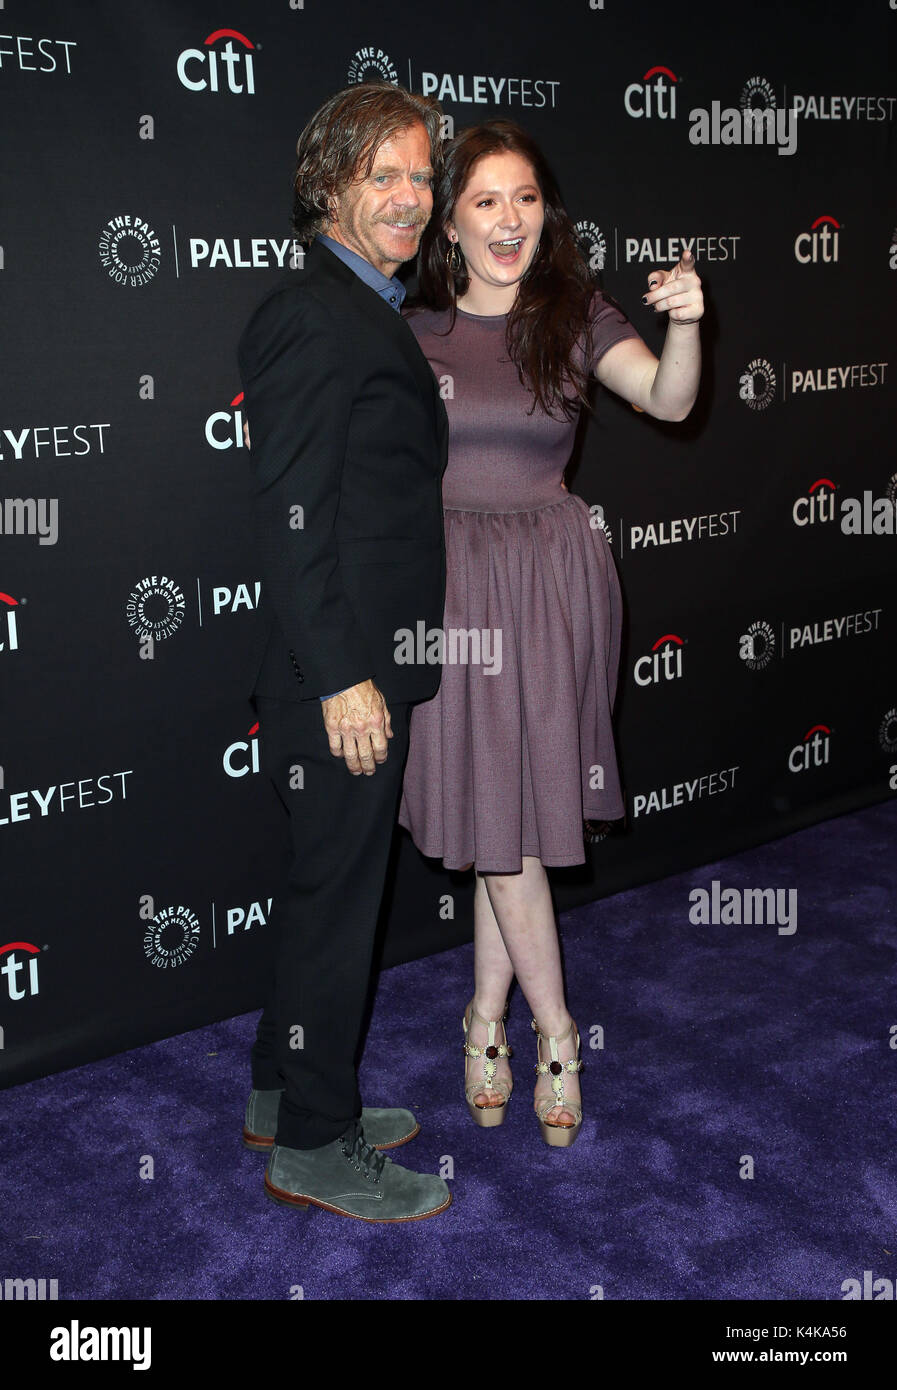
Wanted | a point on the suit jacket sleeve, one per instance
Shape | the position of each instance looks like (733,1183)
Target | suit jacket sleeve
(298,401)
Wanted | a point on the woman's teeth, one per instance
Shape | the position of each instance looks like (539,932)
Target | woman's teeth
(504,248)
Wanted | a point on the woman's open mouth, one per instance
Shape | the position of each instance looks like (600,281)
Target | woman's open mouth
(507,251)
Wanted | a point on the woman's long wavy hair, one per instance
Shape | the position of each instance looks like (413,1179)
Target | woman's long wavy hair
(550,314)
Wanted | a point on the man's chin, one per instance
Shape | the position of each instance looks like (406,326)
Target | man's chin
(400,245)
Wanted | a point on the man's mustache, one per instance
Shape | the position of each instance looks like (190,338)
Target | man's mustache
(404,221)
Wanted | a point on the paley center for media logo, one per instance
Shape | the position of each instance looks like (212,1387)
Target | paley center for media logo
(757,384)
(129,249)
(171,937)
(757,120)
(455,88)
(156,607)
(757,645)
(592,244)
(223,64)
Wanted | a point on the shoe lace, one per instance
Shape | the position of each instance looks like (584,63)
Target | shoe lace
(370,1161)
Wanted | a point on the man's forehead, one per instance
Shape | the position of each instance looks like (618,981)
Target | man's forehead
(412,143)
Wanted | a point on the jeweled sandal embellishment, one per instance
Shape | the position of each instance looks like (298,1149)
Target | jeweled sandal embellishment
(487,1115)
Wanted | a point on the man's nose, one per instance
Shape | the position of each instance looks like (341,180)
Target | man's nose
(407,193)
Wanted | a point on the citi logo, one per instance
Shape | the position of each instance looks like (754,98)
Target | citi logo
(224,428)
(205,74)
(663,663)
(655,95)
(820,243)
(812,751)
(10,642)
(817,506)
(235,757)
(12,966)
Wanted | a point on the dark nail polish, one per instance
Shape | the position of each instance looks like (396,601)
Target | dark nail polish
(644,299)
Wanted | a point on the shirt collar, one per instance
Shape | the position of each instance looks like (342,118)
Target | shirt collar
(388,287)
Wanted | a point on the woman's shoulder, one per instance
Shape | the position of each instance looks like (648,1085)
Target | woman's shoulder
(603,308)
(422,320)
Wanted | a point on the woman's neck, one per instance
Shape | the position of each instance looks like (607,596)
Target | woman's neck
(488,301)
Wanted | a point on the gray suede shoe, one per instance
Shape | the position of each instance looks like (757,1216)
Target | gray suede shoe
(351,1178)
(384,1129)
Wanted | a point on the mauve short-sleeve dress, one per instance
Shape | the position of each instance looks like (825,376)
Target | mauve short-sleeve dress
(502,760)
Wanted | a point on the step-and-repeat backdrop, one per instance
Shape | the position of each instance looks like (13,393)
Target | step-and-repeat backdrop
(147,155)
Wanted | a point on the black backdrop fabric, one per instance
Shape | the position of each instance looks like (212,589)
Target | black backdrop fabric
(146,162)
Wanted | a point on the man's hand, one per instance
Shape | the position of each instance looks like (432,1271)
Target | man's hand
(677,291)
(246,433)
(358,724)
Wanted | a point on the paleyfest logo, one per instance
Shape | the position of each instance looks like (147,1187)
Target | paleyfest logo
(130,251)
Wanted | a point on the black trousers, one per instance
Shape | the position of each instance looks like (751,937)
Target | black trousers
(341,828)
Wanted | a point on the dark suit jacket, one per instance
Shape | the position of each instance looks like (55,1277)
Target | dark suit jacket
(346,423)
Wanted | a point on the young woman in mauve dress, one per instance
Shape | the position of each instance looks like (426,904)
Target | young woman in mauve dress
(502,765)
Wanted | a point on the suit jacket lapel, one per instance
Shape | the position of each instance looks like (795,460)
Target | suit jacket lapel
(387,322)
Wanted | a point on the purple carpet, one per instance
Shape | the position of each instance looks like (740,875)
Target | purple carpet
(726,1048)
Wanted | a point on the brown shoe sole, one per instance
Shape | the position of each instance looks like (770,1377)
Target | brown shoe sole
(264,1143)
(292,1199)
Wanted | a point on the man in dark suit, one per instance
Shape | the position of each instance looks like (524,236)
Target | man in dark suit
(348,447)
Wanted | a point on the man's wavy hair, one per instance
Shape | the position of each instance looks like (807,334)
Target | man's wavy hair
(550,314)
(338,145)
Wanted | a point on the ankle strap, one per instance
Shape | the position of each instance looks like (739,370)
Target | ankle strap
(485,1021)
(553,1038)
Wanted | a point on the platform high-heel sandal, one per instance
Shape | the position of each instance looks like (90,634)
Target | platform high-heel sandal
(487,1115)
(557,1135)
